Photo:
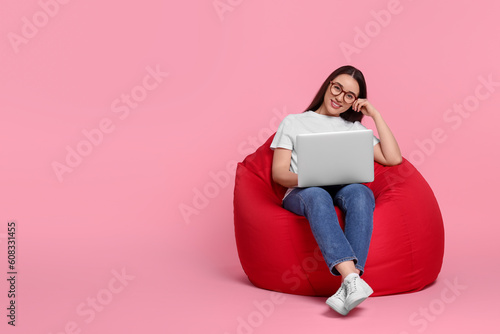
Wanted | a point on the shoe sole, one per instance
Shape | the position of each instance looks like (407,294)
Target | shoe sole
(338,308)
(355,303)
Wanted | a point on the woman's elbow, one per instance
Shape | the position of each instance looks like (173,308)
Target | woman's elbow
(279,178)
(395,161)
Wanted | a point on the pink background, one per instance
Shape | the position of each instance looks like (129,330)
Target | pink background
(232,76)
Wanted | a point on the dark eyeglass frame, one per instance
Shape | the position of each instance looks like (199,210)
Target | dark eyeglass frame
(342,91)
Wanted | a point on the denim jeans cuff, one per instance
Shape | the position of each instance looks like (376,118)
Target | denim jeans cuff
(361,269)
(334,270)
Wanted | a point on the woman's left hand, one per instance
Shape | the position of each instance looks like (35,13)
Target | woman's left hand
(364,106)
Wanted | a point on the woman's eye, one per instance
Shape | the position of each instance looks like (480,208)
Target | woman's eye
(350,96)
(337,88)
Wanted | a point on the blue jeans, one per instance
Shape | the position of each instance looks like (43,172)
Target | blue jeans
(317,204)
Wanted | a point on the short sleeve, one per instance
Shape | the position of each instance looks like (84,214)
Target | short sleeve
(359,126)
(283,136)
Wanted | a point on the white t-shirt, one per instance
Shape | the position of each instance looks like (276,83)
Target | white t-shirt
(309,122)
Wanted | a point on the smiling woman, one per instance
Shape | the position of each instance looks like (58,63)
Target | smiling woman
(346,85)
(339,105)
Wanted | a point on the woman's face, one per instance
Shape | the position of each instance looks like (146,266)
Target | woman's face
(335,105)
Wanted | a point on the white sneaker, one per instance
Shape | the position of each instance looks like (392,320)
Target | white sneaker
(357,290)
(337,301)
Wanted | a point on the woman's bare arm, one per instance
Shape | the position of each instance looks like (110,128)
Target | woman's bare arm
(281,168)
(386,152)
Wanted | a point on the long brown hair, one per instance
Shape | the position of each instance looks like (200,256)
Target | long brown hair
(349,115)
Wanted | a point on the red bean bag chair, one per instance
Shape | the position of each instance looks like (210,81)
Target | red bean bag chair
(277,249)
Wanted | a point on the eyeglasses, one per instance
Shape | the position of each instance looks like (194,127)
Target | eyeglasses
(337,89)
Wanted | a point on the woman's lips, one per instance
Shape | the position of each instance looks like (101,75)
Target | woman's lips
(335,105)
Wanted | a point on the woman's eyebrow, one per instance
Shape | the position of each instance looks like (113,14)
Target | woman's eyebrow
(349,91)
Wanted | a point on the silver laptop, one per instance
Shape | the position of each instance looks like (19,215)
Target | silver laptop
(334,158)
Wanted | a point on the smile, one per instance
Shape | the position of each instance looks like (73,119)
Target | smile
(335,105)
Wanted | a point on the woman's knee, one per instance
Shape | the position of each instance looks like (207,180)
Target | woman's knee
(315,195)
(359,195)
(365,192)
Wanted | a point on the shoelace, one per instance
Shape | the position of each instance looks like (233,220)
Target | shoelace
(341,292)
(351,285)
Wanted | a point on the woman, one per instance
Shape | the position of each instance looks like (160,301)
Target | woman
(339,105)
